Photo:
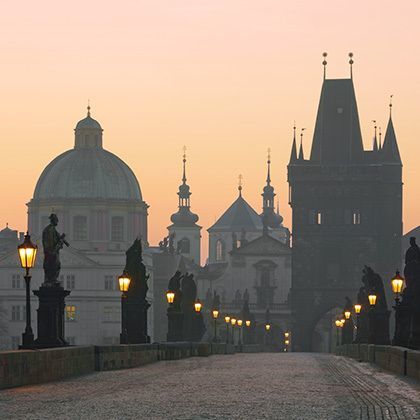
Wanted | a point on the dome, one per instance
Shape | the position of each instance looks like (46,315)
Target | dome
(88,173)
(184,217)
(88,123)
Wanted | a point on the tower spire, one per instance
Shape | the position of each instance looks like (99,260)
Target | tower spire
(351,62)
(184,161)
(293,153)
(301,156)
(380,138)
(268,166)
(88,108)
(324,63)
(240,178)
(390,149)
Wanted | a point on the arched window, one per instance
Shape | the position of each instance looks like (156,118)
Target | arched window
(117,229)
(220,250)
(183,246)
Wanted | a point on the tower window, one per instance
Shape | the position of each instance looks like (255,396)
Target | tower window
(220,250)
(183,246)
(16,283)
(356,219)
(70,313)
(70,282)
(318,218)
(117,229)
(110,283)
(80,228)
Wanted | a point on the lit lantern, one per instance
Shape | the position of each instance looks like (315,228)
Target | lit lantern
(267,327)
(215,313)
(337,323)
(286,334)
(372,299)
(124,282)
(397,283)
(248,323)
(286,342)
(27,253)
(170,296)
(197,306)
(240,322)
(357,308)
(342,322)
(347,314)
(233,321)
(227,319)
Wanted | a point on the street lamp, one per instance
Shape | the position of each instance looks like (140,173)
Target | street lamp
(372,299)
(357,308)
(397,284)
(227,320)
(197,306)
(124,284)
(347,314)
(267,327)
(215,314)
(233,323)
(338,325)
(286,334)
(27,255)
(248,323)
(170,297)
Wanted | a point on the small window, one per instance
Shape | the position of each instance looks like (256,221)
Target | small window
(318,218)
(117,229)
(16,282)
(110,283)
(70,313)
(356,219)
(18,313)
(71,340)
(112,314)
(220,250)
(70,282)
(340,110)
(80,228)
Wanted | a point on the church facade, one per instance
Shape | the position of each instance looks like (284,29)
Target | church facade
(347,210)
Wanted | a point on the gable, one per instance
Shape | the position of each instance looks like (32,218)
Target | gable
(264,245)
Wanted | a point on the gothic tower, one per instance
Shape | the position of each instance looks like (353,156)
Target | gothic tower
(347,210)
(184,222)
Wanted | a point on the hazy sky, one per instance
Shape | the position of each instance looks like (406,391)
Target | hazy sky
(227,78)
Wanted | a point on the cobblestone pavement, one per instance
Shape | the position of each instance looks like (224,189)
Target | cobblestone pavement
(242,386)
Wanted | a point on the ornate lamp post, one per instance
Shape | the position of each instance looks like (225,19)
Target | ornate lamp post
(267,329)
(338,325)
(402,317)
(397,284)
(198,306)
(227,320)
(215,314)
(27,255)
(170,297)
(248,323)
(233,323)
(240,322)
(124,284)
(347,314)
(372,299)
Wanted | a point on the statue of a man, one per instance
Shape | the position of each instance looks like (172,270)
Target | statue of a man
(52,243)
(412,264)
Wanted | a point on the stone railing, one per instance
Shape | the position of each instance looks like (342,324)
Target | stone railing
(399,360)
(27,367)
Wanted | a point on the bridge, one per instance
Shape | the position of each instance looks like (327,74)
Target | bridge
(235,386)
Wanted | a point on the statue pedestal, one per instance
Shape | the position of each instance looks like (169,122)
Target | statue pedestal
(379,326)
(175,325)
(135,320)
(414,341)
(402,325)
(51,317)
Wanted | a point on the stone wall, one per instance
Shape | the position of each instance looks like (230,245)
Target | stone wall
(25,367)
(399,360)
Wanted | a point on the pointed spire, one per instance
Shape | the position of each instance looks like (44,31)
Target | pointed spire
(380,139)
(293,153)
(301,156)
(324,63)
(375,139)
(390,154)
(351,62)
(240,178)
(184,161)
(268,166)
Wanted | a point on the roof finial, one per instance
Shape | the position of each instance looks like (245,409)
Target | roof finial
(390,106)
(380,138)
(88,108)
(184,160)
(268,166)
(240,178)
(375,138)
(301,157)
(324,63)
(351,62)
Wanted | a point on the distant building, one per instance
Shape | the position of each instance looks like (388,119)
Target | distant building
(101,209)
(347,211)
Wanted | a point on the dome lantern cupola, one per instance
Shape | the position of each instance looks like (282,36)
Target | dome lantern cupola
(88,133)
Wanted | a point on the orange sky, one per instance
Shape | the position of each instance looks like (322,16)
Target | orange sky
(224,77)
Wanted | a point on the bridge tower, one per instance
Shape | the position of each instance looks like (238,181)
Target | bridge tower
(347,210)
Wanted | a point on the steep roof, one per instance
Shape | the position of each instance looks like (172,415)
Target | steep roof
(240,215)
(337,136)
(390,152)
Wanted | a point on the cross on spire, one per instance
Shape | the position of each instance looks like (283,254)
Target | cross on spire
(88,108)
(268,166)
(184,160)
(351,62)
(240,179)
(390,105)
(324,63)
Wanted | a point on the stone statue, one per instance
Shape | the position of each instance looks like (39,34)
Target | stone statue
(412,266)
(375,285)
(135,268)
(216,301)
(246,296)
(52,243)
(175,286)
(189,292)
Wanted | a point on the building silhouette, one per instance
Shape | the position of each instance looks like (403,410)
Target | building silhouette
(347,209)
